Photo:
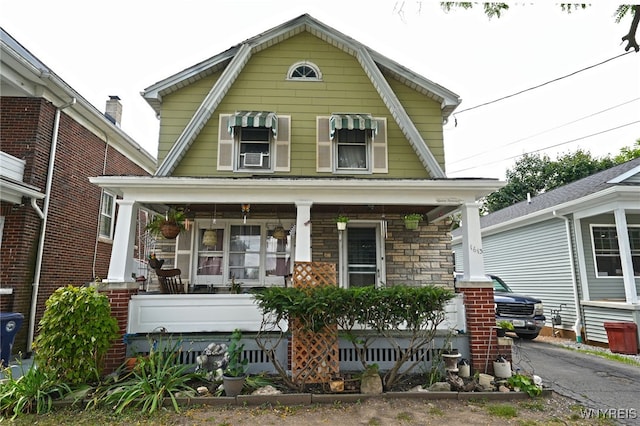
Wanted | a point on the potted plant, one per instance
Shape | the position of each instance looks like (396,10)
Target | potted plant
(412,220)
(168,225)
(341,222)
(504,326)
(235,373)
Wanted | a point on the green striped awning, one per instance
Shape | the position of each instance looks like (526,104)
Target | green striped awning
(254,119)
(351,122)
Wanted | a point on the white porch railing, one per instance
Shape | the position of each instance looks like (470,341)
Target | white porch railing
(210,313)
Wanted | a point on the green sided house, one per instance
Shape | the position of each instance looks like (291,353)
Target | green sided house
(262,147)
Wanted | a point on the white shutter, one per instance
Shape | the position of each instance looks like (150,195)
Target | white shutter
(380,161)
(283,145)
(225,144)
(323,145)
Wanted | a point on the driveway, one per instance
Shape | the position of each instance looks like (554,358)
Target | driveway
(597,383)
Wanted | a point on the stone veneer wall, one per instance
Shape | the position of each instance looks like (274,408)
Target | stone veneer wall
(413,257)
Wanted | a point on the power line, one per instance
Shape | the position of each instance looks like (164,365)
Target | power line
(548,147)
(538,86)
(547,130)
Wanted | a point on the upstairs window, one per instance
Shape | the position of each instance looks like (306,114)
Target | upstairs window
(255,148)
(351,143)
(254,142)
(352,149)
(304,71)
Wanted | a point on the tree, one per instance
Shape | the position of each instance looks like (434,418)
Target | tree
(534,174)
(496,9)
(628,153)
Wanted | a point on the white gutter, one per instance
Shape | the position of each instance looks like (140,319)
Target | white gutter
(44,215)
(576,300)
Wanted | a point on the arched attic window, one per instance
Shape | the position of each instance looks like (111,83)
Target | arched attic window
(304,71)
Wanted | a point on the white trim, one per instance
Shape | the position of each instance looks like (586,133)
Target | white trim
(284,190)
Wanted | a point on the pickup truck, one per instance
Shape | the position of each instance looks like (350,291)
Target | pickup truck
(524,312)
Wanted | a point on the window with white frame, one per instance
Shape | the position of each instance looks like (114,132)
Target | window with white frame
(250,254)
(107,214)
(254,146)
(352,149)
(607,251)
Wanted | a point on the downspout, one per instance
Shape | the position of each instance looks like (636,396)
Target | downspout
(577,326)
(43,231)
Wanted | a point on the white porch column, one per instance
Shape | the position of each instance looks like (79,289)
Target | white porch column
(624,246)
(121,264)
(303,231)
(473,262)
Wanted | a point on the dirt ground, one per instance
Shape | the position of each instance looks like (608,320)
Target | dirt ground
(553,409)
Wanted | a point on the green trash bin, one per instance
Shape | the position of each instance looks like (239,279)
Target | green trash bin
(10,323)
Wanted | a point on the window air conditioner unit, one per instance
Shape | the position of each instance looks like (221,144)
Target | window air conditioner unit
(253,159)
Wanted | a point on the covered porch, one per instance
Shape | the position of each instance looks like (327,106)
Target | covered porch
(245,212)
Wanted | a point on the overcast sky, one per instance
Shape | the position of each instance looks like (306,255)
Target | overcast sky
(121,47)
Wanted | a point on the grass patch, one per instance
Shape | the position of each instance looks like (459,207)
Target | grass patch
(502,410)
(532,405)
(404,416)
(606,355)
(436,411)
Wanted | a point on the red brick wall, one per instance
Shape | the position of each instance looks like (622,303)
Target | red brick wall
(71,246)
(119,301)
(481,323)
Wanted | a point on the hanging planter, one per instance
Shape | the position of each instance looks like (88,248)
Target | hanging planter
(412,220)
(279,233)
(210,238)
(341,222)
(168,225)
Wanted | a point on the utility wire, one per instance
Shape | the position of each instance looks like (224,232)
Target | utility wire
(548,147)
(538,86)
(546,131)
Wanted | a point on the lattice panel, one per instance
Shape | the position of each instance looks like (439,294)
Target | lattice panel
(314,274)
(314,356)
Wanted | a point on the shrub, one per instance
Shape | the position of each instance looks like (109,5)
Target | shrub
(75,333)
(414,312)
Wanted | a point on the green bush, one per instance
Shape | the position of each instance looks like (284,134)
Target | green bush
(414,312)
(75,333)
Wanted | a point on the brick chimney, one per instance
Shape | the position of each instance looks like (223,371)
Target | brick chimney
(113,110)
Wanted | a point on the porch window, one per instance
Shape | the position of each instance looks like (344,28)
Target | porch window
(244,252)
(607,251)
(107,213)
(252,254)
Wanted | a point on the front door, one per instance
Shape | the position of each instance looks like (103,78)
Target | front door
(362,259)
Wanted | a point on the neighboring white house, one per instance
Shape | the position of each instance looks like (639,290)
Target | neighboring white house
(576,247)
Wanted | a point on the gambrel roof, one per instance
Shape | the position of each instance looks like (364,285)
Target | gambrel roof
(233,60)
